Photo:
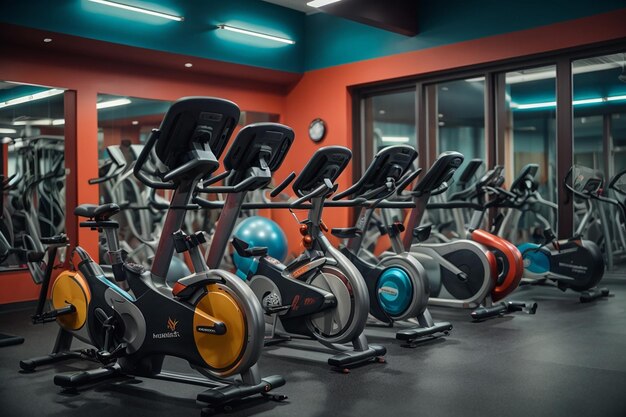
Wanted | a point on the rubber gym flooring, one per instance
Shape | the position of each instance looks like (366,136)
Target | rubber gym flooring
(567,360)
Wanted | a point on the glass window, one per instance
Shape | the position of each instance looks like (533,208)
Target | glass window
(458,123)
(389,119)
(588,141)
(530,135)
(599,103)
(618,133)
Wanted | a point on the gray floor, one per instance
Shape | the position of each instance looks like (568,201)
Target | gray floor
(567,360)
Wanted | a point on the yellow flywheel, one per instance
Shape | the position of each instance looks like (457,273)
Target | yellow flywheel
(71,288)
(220,352)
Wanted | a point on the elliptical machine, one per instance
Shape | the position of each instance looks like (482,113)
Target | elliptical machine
(321,295)
(398,285)
(210,318)
(573,263)
(463,273)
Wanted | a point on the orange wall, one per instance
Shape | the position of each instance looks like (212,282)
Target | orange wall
(324,93)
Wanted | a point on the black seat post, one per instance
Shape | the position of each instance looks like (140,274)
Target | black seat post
(43,293)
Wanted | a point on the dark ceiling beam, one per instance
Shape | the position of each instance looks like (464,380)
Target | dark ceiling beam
(398,16)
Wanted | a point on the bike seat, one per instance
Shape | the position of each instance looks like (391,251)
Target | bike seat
(445,225)
(346,232)
(98,213)
(422,233)
(54,240)
(244,250)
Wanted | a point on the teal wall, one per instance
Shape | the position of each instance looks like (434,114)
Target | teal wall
(333,41)
(195,36)
(322,40)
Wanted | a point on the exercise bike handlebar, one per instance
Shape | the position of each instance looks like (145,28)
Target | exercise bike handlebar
(215,178)
(10,182)
(323,190)
(407,180)
(501,191)
(614,180)
(141,160)
(276,191)
(241,186)
(108,177)
(444,187)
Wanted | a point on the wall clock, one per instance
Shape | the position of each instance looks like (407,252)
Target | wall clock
(317,130)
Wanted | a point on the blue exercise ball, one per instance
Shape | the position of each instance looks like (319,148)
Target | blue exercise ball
(259,231)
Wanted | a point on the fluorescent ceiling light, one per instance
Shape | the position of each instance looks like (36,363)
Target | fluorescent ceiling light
(112,103)
(533,105)
(7,131)
(397,139)
(31,97)
(588,101)
(321,3)
(37,122)
(139,10)
(547,104)
(33,122)
(614,98)
(257,34)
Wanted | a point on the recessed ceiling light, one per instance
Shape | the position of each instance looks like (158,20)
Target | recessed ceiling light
(47,40)
(381,111)
(189,65)
(444,88)
(135,122)
(442,123)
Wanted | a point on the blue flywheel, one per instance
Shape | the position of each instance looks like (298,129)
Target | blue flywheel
(395,291)
(535,261)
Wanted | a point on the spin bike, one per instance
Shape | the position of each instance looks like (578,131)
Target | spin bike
(210,318)
(463,273)
(573,263)
(398,286)
(321,294)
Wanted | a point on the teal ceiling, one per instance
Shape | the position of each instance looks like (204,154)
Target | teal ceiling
(332,41)
(321,40)
(196,36)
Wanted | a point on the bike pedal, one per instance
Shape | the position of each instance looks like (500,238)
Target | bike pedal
(277,309)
